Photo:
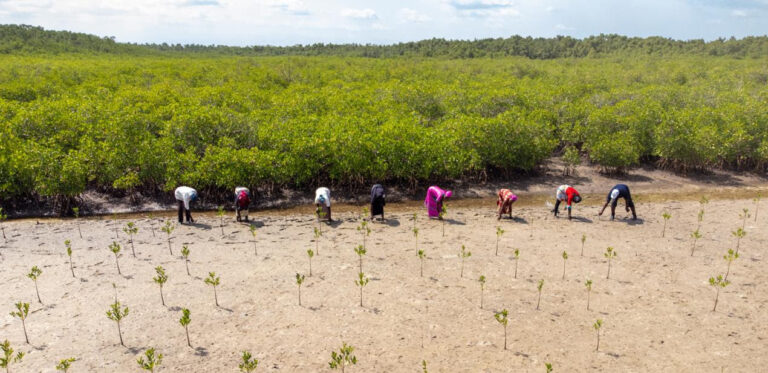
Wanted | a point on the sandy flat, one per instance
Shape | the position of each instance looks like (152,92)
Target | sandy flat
(656,307)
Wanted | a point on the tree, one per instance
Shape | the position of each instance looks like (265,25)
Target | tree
(168,229)
(499,233)
(65,364)
(213,280)
(310,254)
(69,254)
(361,282)
(117,314)
(597,325)
(8,356)
(481,280)
(130,229)
(501,317)
(76,212)
(249,364)
(33,274)
(115,249)
(299,281)
(160,279)
(343,358)
(184,321)
(609,254)
(185,255)
(718,283)
(22,311)
(152,360)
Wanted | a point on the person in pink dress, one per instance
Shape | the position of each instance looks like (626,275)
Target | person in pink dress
(434,200)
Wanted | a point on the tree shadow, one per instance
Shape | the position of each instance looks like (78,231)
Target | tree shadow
(201,351)
(581,219)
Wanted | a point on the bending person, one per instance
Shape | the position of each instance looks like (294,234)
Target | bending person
(378,200)
(184,196)
(434,200)
(323,203)
(242,201)
(619,191)
(504,203)
(569,195)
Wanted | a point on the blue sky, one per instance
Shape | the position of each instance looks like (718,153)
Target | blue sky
(288,22)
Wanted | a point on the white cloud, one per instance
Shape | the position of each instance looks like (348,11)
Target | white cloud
(484,8)
(294,7)
(410,15)
(362,14)
(739,13)
(562,27)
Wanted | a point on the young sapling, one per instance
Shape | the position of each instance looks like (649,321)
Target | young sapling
(463,255)
(343,358)
(548,366)
(700,218)
(185,255)
(117,229)
(730,257)
(220,213)
(501,317)
(310,254)
(424,366)
(151,218)
(744,216)
(65,364)
(33,274)
(481,280)
(3,217)
(421,259)
(115,249)
(499,233)
(152,360)
(168,229)
(583,239)
(610,253)
(130,229)
(739,233)
(539,286)
(252,229)
(666,217)
(8,356)
(249,363)
(214,281)
(718,283)
(695,235)
(160,279)
(441,215)
(116,314)
(318,234)
(68,244)
(597,325)
(416,238)
(360,251)
(299,281)
(588,284)
(517,259)
(22,311)
(76,212)
(364,230)
(361,282)
(415,217)
(565,259)
(184,321)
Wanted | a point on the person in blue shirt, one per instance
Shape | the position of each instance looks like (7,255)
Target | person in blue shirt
(619,191)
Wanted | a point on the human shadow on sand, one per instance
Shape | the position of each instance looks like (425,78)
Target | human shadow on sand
(390,222)
(515,219)
(201,226)
(454,222)
(637,221)
(581,219)
(254,223)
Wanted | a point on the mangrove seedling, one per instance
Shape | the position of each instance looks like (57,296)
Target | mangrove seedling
(160,279)
(69,254)
(549,367)
(583,239)
(364,230)
(248,362)
(252,229)
(114,287)
(310,254)
(343,358)
(597,325)
(463,255)
(744,216)
(695,235)
(424,366)
(318,234)
(65,364)
(588,284)
(539,286)
(3,217)
(151,218)
(168,229)
(421,259)
(700,218)
(565,259)
(416,238)
(115,249)
(499,233)
(501,317)
(130,229)
(184,321)
(757,204)
(482,288)
(730,257)
(441,215)
(220,213)
(22,311)
(415,217)
(703,201)
(117,229)
(185,255)
(361,282)
(299,281)
(213,280)
(739,233)
(152,360)
(76,212)
(116,314)
(360,251)
(8,356)
(517,259)
(33,274)
(666,217)
(718,283)
(610,253)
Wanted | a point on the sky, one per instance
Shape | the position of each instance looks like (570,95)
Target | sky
(290,22)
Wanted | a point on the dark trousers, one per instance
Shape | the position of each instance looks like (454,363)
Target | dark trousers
(182,212)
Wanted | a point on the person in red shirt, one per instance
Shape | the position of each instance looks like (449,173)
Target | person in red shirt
(504,203)
(567,194)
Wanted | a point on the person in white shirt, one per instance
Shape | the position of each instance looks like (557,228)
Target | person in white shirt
(184,195)
(323,203)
